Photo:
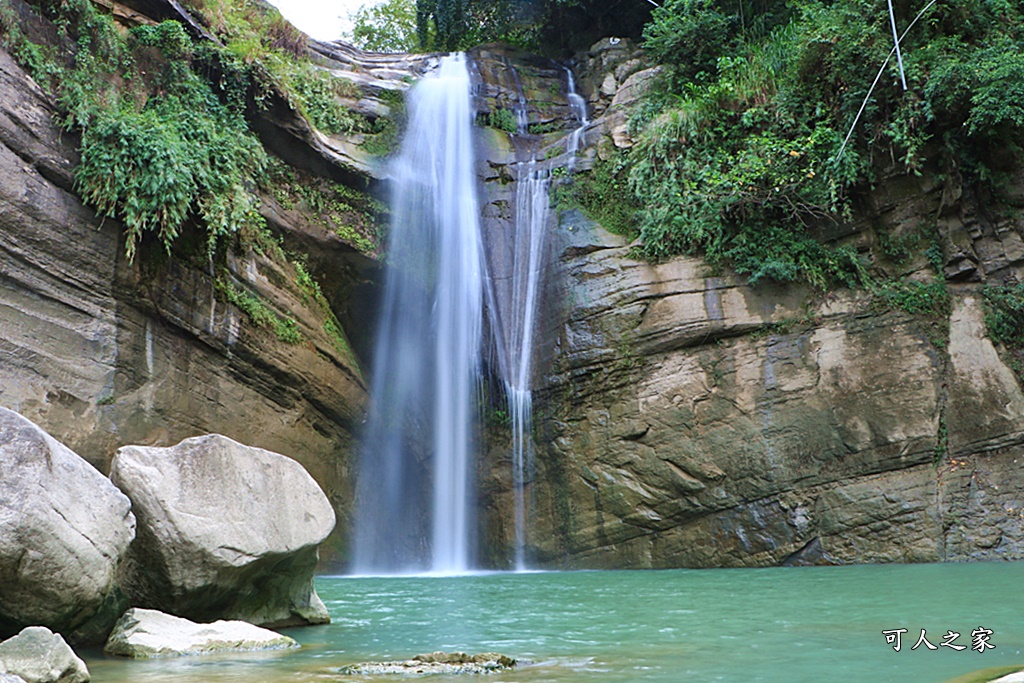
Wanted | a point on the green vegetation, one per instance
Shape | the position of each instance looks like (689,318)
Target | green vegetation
(383,134)
(941,440)
(387,27)
(264,50)
(737,154)
(164,139)
(603,195)
(354,216)
(158,146)
(542,128)
(503,119)
(286,329)
(554,27)
(312,294)
(1004,318)
(1004,314)
(929,298)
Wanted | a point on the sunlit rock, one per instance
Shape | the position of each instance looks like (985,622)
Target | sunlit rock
(145,634)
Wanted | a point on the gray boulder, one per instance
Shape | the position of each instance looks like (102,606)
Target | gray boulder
(226,531)
(63,530)
(38,655)
(145,634)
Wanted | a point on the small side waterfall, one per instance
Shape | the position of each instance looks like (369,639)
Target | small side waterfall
(579,110)
(415,494)
(519,315)
(531,227)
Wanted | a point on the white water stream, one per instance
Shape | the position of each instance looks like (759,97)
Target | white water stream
(415,496)
(427,362)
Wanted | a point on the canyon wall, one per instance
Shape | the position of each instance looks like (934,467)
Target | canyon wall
(689,419)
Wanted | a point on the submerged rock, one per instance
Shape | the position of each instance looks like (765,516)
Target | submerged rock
(38,655)
(145,633)
(436,663)
(225,531)
(63,530)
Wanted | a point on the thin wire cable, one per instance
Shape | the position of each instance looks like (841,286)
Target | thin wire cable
(880,72)
(896,41)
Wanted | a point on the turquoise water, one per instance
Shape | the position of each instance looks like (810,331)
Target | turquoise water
(783,625)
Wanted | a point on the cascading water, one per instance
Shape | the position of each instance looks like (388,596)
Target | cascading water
(414,493)
(518,317)
(579,111)
(531,226)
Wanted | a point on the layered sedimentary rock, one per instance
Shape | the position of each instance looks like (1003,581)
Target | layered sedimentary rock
(64,530)
(686,418)
(225,531)
(695,421)
(103,352)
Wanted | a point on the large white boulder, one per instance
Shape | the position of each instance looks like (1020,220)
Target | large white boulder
(63,530)
(146,633)
(225,531)
(38,655)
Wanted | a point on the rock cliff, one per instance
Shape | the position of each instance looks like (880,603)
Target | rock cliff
(689,419)
(103,352)
(682,417)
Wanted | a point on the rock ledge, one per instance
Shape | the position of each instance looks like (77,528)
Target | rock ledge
(146,634)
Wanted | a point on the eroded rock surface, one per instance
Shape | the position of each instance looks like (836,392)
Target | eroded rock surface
(64,529)
(148,634)
(225,531)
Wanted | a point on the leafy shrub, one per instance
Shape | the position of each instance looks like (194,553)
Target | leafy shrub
(919,298)
(689,35)
(1004,314)
(604,196)
(503,119)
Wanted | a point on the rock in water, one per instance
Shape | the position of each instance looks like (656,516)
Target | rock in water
(64,528)
(435,663)
(38,655)
(145,633)
(226,531)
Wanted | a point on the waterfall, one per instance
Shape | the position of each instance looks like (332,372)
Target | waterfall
(579,111)
(415,491)
(518,315)
(531,227)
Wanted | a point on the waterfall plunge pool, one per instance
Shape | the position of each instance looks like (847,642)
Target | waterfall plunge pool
(779,625)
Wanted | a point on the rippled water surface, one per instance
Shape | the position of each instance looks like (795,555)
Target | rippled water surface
(770,625)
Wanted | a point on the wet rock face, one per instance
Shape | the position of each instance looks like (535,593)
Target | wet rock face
(225,531)
(64,529)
